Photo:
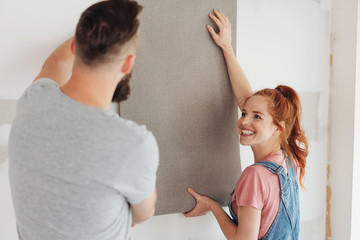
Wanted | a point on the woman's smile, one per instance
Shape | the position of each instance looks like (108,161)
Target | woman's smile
(245,132)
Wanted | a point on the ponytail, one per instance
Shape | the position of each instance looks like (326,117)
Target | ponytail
(286,107)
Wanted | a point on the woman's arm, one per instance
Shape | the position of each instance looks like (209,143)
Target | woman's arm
(239,82)
(248,218)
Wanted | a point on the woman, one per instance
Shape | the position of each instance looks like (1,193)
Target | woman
(265,202)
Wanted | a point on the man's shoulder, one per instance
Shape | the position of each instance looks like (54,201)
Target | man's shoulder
(134,132)
(38,88)
(41,84)
(138,143)
(45,81)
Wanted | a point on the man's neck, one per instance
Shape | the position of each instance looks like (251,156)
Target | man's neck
(94,89)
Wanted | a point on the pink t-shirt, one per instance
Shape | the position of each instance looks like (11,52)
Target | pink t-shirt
(260,188)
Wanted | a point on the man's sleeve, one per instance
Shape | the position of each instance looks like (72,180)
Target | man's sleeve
(36,86)
(141,179)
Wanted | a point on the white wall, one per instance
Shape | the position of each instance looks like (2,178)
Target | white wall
(342,113)
(279,41)
(343,153)
(355,213)
(287,42)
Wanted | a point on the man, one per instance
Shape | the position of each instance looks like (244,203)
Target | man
(77,170)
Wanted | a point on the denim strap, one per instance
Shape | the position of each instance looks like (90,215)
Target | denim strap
(271,166)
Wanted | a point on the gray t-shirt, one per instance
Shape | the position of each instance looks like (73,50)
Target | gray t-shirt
(74,169)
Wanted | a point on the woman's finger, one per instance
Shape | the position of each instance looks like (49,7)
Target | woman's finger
(227,20)
(216,20)
(224,17)
(220,16)
(193,214)
(193,193)
(212,32)
(189,214)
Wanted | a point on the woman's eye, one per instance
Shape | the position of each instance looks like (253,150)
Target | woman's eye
(243,114)
(257,116)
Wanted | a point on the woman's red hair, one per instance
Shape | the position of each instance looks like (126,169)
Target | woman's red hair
(285,106)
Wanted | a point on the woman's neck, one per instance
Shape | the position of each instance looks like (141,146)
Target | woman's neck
(260,152)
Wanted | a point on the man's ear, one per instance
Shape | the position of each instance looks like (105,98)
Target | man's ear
(128,64)
(72,45)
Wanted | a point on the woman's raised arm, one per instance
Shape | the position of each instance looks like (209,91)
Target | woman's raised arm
(239,82)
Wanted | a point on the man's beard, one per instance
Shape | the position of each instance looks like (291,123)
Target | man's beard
(122,90)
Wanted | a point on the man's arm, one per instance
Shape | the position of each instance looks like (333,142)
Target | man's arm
(58,65)
(143,210)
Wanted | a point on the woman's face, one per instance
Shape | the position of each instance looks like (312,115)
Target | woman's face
(256,126)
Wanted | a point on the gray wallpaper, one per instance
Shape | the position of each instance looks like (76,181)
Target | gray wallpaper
(180,90)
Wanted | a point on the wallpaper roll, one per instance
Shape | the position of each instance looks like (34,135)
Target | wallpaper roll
(180,90)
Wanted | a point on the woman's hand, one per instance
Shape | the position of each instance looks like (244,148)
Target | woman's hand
(203,204)
(223,38)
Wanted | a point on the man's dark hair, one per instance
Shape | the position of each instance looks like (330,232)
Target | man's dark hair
(122,90)
(104,28)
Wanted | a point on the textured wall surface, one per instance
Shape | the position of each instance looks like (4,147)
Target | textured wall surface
(180,90)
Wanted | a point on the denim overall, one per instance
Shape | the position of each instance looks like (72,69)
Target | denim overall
(286,224)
